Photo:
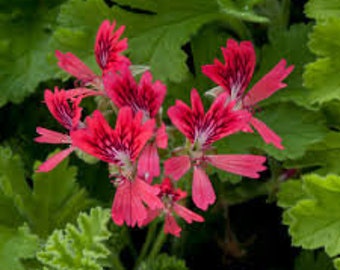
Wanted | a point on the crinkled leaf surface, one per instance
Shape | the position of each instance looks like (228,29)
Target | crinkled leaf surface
(297,126)
(321,76)
(16,244)
(290,193)
(313,260)
(163,262)
(314,222)
(81,246)
(53,201)
(24,48)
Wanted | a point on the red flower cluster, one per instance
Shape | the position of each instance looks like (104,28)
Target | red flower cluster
(131,148)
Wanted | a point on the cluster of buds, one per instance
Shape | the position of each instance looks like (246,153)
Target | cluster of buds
(145,190)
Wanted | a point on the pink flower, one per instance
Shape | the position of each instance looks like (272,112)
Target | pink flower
(68,116)
(234,76)
(108,49)
(121,147)
(169,195)
(202,129)
(146,97)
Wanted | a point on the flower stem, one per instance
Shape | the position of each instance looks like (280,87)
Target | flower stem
(149,237)
(117,265)
(158,243)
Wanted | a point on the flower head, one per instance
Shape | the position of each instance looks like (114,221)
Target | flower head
(121,147)
(108,49)
(124,91)
(202,129)
(170,197)
(234,76)
(58,103)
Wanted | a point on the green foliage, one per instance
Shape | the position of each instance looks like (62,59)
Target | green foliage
(81,246)
(24,54)
(326,47)
(297,127)
(322,156)
(163,262)
(314,218)
(312,260)
(44,207)
(16,244)
(291,45)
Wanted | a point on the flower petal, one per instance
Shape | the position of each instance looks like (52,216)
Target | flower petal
(53,161)
(187,214)
(246,165)
(269,84)
(171,226)
(50,136)
(176,167)
(148,162)
(266,133)
(203,193)
(162,137)
(234,76)
(73,65)
(127,206)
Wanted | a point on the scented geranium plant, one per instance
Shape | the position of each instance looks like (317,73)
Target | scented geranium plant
(169,135)
(131,148)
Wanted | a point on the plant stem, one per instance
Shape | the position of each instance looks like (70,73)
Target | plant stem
(158,243)
(117,265)
(149,237)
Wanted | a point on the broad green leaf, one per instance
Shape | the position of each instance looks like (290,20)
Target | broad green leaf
(322,156)
(323,44)
(242,10)
(156,37)
(16,244)
(163,262)
(81,246)
(297,126)
(24,48)
(321,9)
(14,191)
(54,200)
(313,260)
(290,45)
(290,193)
(314,222)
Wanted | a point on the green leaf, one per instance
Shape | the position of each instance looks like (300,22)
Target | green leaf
(156,37)
(323,44)
(290,193)
(81,246)
(290,45)
(163,262)
(24,48)
(314,222)
(55,199)
(322,156)
(320,9)
(14,191)
(242,10)
(297,126)
(312,260)
(16,244)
